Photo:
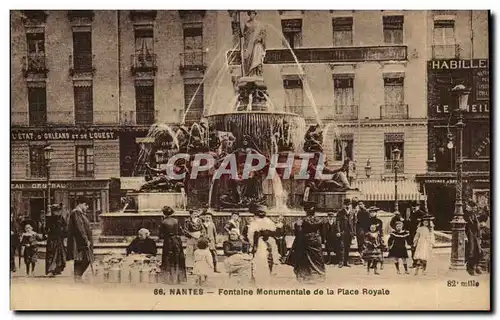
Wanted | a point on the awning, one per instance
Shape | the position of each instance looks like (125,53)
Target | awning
(379,190)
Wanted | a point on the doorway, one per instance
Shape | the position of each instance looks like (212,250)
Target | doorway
(36,207)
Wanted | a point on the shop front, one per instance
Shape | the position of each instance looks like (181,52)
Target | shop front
(29,198)
(440,190)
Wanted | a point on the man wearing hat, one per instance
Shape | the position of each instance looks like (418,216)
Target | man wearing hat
(329,236)
(362,227)
(417,212)
(345,233)
(473,250)
(210,234)
(80,247)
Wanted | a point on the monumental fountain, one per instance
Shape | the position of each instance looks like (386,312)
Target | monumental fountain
(251,128)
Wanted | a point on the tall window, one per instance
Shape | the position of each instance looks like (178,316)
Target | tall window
(444,39)
(37,162)
(195,111)
(344,148)
(82,51)
(394,91)
(84,161)
(144,52)
(294,94)
(393,29)
(343,91)
(36,51)
(391,142)
(145,105)
(84,105)
(37,100)
(292,31)
(342,31)
(193,46)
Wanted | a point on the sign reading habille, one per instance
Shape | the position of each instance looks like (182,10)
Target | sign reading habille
(63,134)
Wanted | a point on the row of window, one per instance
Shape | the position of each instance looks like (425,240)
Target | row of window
(84,159)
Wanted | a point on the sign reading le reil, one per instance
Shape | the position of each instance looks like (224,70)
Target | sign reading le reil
(63,134)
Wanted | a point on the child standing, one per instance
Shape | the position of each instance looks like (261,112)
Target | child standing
(423,242)
(203,262)
(29,243)
(373,249)
(397,245)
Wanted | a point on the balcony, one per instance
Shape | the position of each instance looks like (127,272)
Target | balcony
(81,63)
(34,64)
(445,51)
(84,117)
(193,61)
(140,118)
(37,118)
(337,113)
(143,63)
(330,55)
(394,111)
(389,166)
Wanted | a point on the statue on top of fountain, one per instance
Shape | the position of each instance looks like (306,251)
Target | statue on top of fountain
(254,46)
(158,180)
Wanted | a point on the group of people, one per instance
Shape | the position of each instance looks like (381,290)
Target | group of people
(75,228)
(254,247)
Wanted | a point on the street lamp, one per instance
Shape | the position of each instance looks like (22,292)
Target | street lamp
(396,153)
(47,154)
(458,223)
(368,169)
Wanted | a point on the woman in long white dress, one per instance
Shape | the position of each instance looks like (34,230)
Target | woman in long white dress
(423,243)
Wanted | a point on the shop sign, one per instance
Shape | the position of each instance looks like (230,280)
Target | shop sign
(36,185)
(73,185)
(63,134)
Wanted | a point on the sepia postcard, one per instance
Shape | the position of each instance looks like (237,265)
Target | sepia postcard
(250,160)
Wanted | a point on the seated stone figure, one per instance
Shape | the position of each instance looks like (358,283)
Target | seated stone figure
(313,139)
(161,182)
(338,182)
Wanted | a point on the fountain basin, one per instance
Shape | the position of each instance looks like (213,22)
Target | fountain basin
(154,201)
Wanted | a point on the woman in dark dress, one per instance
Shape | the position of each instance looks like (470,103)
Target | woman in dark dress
(173,261)
(306,254)
(55,258)
(142,244)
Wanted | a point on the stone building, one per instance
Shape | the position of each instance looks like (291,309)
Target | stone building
(91,83)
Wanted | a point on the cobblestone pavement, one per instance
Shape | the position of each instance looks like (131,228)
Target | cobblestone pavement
(439,279)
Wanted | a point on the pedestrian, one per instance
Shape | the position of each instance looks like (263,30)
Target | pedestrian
(397,245)
(210,234)
(417,212)
(203,262)
(329,237)
(362,227)
(233,223)
(345,233)
(306,254)
(193,228)
(473,251)
(173,261)
(14,240)
(280,237)
(29,241)
(142,244)
(423,243)
(398,218)
(374,220)
(373,249)
(55,256)
(80,246)
(238,263)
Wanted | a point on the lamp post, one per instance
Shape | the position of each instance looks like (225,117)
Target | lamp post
(47,154)
(368,169)
(396,154)
(458,223)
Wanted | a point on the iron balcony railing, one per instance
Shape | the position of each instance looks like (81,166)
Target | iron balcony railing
(139,117)
(389,166)
(446,51)
(38,118)
(193,61)
(143,62)
(84,117)
(338,113)
(394,111)
(81,63)
(34,63)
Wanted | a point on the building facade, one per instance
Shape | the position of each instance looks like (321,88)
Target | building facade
(91,83)
(458,48)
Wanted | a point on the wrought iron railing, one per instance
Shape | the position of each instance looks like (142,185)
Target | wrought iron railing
(193,61)
(38,118)
(394,111)
(143,62)
(34,63)
(84,117)
(446,51)
(81,63)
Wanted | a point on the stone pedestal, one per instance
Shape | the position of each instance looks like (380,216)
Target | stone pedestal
(154,201)
(331,201)
(255,88)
